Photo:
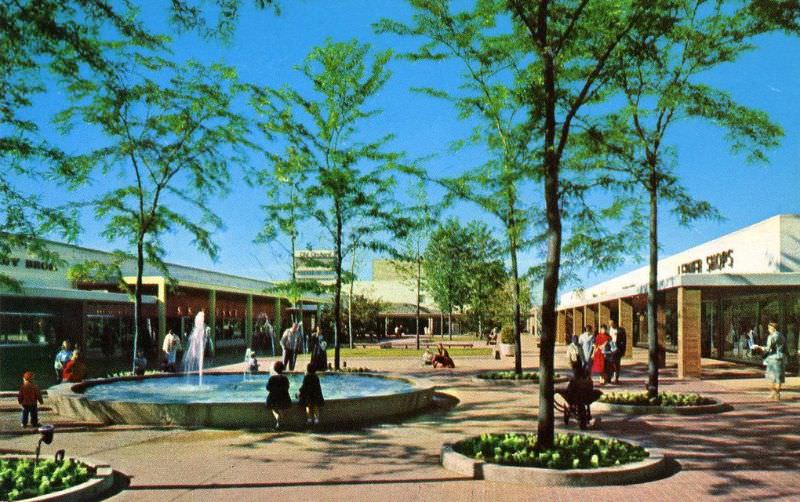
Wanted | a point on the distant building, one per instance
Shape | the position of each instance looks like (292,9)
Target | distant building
(315,265)
(394,283)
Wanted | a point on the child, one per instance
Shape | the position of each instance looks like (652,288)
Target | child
(311,395)
(139,363)
(29,398)
(278,399)
(252,365)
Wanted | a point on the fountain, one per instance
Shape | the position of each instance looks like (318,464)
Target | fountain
(193,358)
(229,401)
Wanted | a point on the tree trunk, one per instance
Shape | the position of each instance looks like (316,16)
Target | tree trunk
(517,317)
(450,324)
(350,297)
(546,423)
(337,298)
(652,291)
(137,308)
(419,286)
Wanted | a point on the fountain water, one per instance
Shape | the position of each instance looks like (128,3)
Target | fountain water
(193,358)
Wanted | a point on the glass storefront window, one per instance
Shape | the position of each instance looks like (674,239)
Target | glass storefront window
(27,328)
(743,323)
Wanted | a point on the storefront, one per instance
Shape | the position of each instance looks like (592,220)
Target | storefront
(50,307)
(714,300)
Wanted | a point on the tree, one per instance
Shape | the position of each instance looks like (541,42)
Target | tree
(571,44)
(171,139)
(411,255)
(659,80)
(351,178)
(485,273)
(490,92)
(65,41)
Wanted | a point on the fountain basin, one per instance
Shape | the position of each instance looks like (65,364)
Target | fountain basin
(351,400)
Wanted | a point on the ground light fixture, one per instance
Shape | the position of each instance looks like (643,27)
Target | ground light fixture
(46,433)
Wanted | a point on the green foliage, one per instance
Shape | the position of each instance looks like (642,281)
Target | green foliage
(349,183)
(663,399)
(23,478)
(364,313)
(507,335)
(569,451)
(510,375)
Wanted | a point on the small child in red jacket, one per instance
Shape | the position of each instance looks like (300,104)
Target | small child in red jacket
(29,398)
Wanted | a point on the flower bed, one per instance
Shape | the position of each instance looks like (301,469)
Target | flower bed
(510,375)
(663,399)
(22,478)
(637,403)
(570,451)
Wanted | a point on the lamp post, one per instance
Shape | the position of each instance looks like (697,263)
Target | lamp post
(46,432)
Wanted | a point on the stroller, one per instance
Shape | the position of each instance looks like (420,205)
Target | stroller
(577,397)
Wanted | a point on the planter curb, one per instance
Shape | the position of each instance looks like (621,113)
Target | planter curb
(646,470)
(639,409)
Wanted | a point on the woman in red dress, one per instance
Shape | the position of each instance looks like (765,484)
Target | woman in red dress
(598,358)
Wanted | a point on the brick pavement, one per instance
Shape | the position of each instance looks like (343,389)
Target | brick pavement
(749,453)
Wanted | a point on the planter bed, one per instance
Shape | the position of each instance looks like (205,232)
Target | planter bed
(597,461)
(91,480)
(510,378)
(637,404)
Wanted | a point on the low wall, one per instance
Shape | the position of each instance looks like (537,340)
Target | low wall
(68,401)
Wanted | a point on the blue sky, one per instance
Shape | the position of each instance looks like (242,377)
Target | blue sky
(265,48)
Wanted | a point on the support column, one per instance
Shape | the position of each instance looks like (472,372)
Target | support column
(248,321)
(589,317)
(212,319)
(626,323)
(603,314)
(689,333)
(577,321)
(561,327)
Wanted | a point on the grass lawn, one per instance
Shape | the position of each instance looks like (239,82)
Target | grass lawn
(377,352)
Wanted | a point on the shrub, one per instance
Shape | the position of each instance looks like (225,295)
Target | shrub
(23,478)
(663,399)
(570,451)
(507,335)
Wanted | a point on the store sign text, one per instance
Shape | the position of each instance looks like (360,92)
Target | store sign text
(716,261)
(31,264)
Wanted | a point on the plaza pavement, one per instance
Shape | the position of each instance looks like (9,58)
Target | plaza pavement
(750,453)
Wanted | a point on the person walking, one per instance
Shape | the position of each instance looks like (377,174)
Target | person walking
(611,353)
(170,348)
(598,354)
(574,356)
(62,357)
(774,360)
(586,341)
(287,346)
(622,346)
(311,395)
(75,369)
(29,397)
(278,399)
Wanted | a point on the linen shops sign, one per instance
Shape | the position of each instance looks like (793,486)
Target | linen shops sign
(717,261)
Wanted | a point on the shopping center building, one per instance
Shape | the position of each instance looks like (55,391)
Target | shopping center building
(51,307)
(709,297)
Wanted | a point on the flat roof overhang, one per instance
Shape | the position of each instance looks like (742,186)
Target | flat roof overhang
(76,294)
(694,281)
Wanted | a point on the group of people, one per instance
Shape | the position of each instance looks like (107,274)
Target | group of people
(598,353)
(441,359)
(68,364)
(292,345)
(310,394)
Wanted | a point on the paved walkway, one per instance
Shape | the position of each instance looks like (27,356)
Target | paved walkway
(750,453)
